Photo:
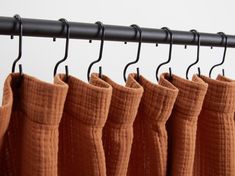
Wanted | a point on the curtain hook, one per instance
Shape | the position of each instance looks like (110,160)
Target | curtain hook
(18,20)
(138,30)
(65,23)
(195,34)
(224,37)
(101,28)
(168,32)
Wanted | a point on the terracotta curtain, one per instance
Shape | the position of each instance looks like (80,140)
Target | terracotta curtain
(175,127)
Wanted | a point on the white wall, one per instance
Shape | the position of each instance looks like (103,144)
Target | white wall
(41,54)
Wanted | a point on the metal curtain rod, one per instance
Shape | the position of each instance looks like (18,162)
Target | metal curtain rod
(53,28)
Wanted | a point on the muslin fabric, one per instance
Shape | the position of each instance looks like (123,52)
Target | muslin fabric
(177,127)
(182,124)
(30,145)
(215,149)
(85,113)
(5,109)
(118,129)
(149,149)
(5,114)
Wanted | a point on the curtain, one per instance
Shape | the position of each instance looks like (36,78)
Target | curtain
(175,127)
(215,145)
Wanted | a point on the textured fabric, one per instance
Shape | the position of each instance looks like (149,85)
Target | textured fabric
(85,112)
(5,109)
(118,130)
(149,149)
(71,128)
(5,113)
(215,149)
(182,124)
(31,143)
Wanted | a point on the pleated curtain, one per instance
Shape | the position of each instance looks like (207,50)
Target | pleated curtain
(175,127)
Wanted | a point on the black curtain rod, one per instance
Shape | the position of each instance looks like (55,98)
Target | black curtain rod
(54,28)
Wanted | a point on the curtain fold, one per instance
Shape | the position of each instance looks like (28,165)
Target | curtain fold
(31,143)
(149,149)
(5,109)
(182,124)
(85,113)
(215,148)
(118,130)
(5,114)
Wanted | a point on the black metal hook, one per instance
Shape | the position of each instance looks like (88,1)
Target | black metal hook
(65,23)
(18,20)
(224,37)
(168,32)
(102,29)
(196,35)
(138,30)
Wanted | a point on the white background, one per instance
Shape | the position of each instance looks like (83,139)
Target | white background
(41,54)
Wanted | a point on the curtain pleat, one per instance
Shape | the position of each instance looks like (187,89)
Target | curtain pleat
(215,149)
(177,127)
(5,114)
(5,109)
(31,143)
(85,113)
(182,124)
(118,130)
(149,149)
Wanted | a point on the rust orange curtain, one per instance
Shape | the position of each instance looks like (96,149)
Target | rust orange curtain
(175,127)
